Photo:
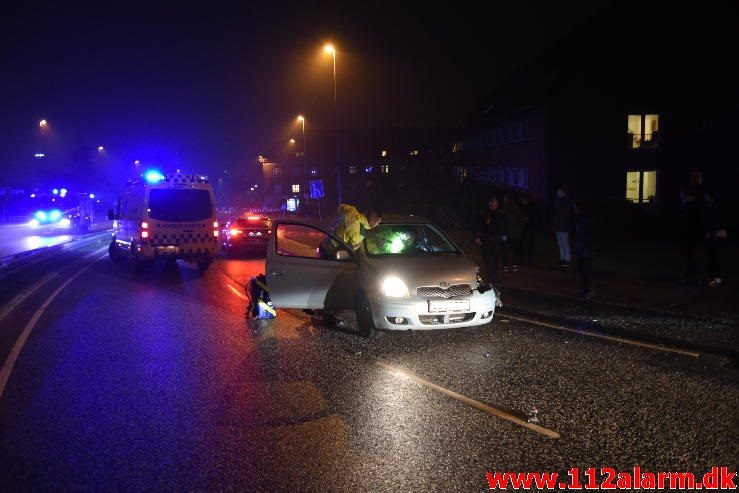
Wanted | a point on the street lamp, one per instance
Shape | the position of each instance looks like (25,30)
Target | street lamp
(292,141)
(42,124)
(101,149)
(301,119)
(329,48)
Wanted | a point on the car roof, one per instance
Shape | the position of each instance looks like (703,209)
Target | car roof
(403,219)
(386,219)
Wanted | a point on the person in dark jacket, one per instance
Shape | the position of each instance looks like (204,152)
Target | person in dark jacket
(512,246)
(583,248)
(690,232)
(490,236)
(715,228)
(563,225)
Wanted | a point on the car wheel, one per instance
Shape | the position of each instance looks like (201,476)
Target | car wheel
(114,254)
(363,310)
(203,266)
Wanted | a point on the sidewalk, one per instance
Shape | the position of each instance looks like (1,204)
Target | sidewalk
(637,282)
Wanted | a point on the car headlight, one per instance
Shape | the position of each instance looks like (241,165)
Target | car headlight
(65,222)
(33,223)
(394,287)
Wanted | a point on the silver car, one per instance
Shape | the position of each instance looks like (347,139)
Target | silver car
(407,274)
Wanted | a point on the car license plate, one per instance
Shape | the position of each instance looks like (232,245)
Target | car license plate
(436,306)
(169,249)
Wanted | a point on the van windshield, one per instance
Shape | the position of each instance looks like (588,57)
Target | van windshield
(180,205)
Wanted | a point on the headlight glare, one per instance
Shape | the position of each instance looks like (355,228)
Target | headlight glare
(394,287)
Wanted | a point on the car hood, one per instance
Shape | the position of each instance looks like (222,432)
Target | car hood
(422,271)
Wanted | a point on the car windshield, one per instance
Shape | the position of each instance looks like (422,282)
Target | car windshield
(245,222)
(180,205)
(407,240)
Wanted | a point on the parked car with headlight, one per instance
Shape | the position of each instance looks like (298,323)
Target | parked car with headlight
(408,274)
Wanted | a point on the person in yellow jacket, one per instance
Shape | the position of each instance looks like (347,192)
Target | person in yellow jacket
(351,225)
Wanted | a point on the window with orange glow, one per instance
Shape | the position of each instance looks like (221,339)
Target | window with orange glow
(641,186)
(643,130)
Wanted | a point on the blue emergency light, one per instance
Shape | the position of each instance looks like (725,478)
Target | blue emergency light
(153,176)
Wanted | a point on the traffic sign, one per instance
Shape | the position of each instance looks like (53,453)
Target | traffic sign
(316,189)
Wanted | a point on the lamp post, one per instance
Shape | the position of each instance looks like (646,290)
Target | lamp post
(330,49)
(301,119)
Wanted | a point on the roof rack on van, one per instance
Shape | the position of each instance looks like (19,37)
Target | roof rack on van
(179,178)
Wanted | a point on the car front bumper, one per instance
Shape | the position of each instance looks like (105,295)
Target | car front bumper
(416,316)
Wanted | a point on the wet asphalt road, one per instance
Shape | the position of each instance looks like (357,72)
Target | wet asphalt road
(155,381)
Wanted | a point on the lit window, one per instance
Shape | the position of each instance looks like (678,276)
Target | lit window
(643,131)
(641,186)
(352,170)
(383,153)
(296,188)
(314,171)
(461,172)
(385,169)
(415,152)
(277,171)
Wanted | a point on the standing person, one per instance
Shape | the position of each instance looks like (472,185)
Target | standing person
(563,225)
(690,232)
(583,247)
(490,236)
(530,221)
(512,246)
(715,227)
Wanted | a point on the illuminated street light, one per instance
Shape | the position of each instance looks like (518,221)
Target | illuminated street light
(42,124)
(101,149)
(329,48)
(292,141)
(301,119)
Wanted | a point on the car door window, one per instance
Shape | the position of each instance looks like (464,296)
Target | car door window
(297,240)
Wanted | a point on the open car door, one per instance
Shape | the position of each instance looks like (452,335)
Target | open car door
(308,267)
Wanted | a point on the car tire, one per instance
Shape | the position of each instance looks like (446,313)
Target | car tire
(363,311)
(114,254)
(203,266)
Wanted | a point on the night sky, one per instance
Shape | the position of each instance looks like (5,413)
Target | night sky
(210,87)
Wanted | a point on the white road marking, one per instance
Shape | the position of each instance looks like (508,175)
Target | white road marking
(237,292)
(633,342)
(466,400)
(15,352)
(25,294)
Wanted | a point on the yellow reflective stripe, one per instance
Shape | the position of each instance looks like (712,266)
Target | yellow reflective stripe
(265,306)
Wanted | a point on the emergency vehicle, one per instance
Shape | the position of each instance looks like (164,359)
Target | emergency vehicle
(71,212)
(170,217)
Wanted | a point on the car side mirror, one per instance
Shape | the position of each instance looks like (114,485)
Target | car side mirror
(111,215)
(343,255)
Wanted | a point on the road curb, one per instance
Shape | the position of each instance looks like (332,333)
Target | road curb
(10,262)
